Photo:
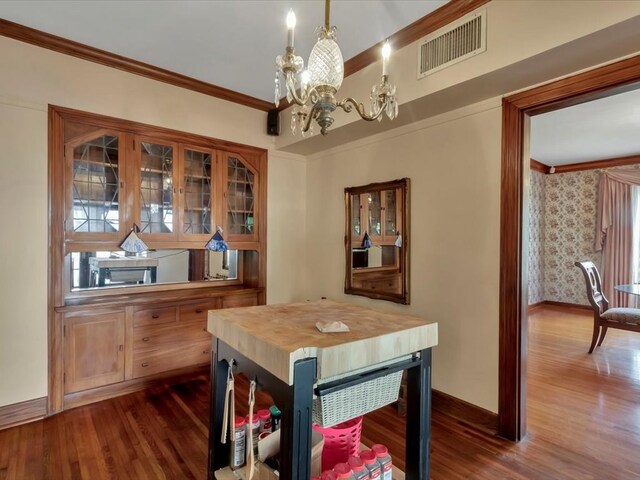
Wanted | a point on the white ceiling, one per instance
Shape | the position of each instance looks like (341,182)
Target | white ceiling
(604,128)
(228,43)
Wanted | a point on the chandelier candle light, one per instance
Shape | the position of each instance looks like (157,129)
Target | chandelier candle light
(314,94)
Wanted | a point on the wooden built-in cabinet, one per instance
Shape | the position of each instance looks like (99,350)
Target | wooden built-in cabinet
(107,176)
(94,349)
(174,192)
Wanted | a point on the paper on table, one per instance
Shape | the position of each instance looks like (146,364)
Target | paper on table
(331,327)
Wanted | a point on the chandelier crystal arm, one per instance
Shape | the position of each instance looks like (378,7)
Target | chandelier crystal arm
(348,104)
(306,93)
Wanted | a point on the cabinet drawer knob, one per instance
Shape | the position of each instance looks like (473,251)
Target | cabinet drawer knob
(145,364)
(198,310)
(204,352)
(155,315)
(145,339)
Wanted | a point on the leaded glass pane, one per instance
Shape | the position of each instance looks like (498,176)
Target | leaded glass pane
(375,217)
(356,227)
(389,212)
(197,185)
(156,188)
(96,185)
(240,197)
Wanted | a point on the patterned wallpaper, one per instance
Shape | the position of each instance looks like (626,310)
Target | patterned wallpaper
(569,228)
(562,224)
(536,237)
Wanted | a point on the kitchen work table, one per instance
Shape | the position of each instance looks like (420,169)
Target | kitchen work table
(280,347)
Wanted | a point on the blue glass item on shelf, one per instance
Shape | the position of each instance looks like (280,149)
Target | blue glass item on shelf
(217,243)
(366,241)
(132,243)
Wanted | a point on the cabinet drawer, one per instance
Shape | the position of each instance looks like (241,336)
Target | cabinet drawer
(170,359)
(154,316)
(240,301)
(196,312)
(165,337)
(386,284)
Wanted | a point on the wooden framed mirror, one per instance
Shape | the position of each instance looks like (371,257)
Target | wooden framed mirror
(377,240)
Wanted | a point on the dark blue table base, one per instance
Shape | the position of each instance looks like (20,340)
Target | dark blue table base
(295,402)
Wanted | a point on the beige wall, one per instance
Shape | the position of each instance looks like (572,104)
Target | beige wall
(39,77)
(23,257)
(453,161)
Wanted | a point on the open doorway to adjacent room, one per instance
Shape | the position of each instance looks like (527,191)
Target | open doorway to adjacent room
(517,362)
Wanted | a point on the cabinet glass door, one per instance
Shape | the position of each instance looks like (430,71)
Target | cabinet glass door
(240,198)
(197,205)
(390,224)
(156,188)
(356,218)
(96,177)
(374,227)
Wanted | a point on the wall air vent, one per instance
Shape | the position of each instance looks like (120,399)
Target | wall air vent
(452,44)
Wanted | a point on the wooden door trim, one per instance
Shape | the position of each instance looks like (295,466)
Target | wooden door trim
(55,286)
(597,83)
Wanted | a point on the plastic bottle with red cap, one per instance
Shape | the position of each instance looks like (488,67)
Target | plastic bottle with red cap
(328,475)
(357,467)
(265,420)
(343,470)
(371,462)
(238,444)
(384,459)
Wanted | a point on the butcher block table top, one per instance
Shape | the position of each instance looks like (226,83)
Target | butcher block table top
(276,336)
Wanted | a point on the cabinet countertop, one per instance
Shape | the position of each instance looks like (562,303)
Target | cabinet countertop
(276,336)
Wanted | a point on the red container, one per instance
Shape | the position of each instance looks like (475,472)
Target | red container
(340,442)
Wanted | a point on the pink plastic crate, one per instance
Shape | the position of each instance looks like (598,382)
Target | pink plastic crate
(340,442)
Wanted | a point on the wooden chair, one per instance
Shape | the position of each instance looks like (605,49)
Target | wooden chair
(603,316)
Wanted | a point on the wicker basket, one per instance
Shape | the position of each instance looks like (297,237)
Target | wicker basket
(357,400)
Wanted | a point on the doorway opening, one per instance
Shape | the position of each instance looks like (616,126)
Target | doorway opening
(516,113)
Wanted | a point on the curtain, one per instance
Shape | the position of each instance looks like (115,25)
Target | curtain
(614,231)
(635,250)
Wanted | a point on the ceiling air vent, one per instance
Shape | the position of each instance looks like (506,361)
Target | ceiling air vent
(452,44)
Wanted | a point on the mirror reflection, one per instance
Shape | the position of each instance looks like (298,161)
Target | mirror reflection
(377,234)
(102,269)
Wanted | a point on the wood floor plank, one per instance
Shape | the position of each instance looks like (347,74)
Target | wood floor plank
(583,411)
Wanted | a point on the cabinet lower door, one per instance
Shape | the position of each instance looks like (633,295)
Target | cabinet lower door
(94,350)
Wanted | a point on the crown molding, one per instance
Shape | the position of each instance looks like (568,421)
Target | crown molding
(591,165)
(96,55)
(597,164)
(539,166)
(435,20)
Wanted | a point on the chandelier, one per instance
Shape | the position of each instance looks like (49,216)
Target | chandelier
(313,91)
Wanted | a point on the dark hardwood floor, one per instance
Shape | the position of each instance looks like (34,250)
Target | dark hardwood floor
(584,423)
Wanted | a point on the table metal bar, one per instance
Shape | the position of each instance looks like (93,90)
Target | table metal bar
(218,451)
(418,430)
(295,434)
